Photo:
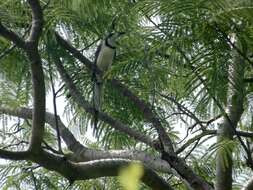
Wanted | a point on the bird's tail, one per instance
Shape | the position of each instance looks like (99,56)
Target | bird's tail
(97,100)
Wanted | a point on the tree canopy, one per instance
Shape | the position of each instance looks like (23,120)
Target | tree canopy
(177,99)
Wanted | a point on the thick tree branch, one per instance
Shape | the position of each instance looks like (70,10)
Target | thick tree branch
(38,83)
(10,155)
(153,162)
(82,153)
(227,128)
(13,37)
(35,32)
(111,168)
(63,43)
(30,46)
(37,22)
(244,134)
(95,169)
(26,113)
(38,86)
(87,170)
(84,171)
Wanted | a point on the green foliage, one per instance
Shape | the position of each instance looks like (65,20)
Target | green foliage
(171,47)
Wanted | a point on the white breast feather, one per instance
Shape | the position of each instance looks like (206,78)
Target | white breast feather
(105,58)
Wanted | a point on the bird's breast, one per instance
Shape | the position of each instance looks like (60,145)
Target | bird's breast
(105,58)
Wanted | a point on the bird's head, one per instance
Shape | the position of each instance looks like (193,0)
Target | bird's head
(112,38)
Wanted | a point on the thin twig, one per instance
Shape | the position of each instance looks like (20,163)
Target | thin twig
(89,45)
(192,149)
(47,146)
(55,109)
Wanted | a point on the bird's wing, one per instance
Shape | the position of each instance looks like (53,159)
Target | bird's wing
(97,53)
(97,88)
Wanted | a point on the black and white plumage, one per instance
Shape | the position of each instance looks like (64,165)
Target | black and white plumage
(104,58)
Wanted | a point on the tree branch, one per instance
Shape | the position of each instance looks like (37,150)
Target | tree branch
(82,153)
(227,128)
(153,162)
(148,114)
(10,155)
(55,109)
(248,80)
(84,171)
(37,22)
(13,37)
(26,113)
(38,84)
(7,51)
(95,169)
(196,138)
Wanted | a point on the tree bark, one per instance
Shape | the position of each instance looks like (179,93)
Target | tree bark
(83,154)
(226,130)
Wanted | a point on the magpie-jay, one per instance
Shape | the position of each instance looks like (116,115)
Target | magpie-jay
(103,60)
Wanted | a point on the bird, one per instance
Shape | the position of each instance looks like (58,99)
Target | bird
(104,57)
